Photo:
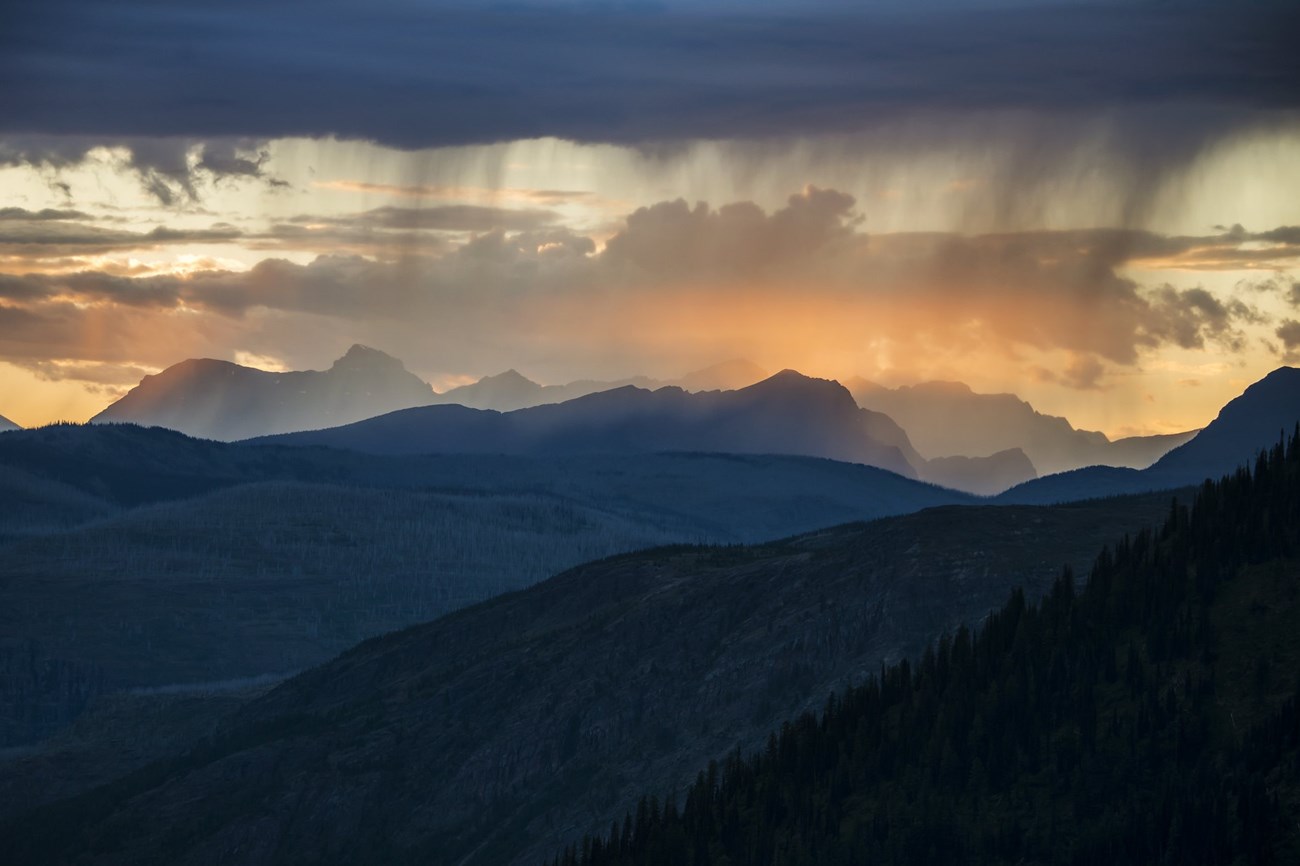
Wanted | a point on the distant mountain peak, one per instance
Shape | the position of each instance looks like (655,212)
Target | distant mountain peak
(724,376)
(944,386)
(363,357)
(791,381)
(511,376)
(791,376)
(222,400)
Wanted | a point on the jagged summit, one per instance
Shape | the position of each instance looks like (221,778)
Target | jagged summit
(511,376)
(360,357)
(807,391)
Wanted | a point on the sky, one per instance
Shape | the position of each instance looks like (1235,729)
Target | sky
(1095,206)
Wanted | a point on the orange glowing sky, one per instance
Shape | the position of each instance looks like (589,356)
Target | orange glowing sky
(837,256)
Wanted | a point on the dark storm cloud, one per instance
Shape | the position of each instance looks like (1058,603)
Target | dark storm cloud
(414,75)
(170,168)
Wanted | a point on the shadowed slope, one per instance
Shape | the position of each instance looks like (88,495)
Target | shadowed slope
(502,731)
(1254,421)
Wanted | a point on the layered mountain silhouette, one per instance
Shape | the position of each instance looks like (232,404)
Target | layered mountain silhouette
(1265,411)
(503,731)
(6,425)
(220,400)
(788,413)
(512,390)
(948,418)
(139,557)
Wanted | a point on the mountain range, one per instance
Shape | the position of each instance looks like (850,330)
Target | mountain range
(948,418)
(528,714)
(220,400)
(1000,441)
(788,413)
(1257,419)
(7,425)
(512,390)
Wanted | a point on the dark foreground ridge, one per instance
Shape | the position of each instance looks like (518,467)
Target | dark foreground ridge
(1151,718)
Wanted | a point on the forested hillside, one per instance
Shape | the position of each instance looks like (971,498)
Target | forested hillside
(1149,717)
(504,731)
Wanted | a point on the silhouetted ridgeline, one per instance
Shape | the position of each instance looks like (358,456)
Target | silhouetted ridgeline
(1254,420)
(1148,718)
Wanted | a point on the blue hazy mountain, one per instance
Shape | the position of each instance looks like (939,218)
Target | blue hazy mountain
(949,419)
(512,390)
(7,425)
(219,400)
(788,413)
(1257,419)
(139,557)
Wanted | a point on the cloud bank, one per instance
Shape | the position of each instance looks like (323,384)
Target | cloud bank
(434,74)
(676,278)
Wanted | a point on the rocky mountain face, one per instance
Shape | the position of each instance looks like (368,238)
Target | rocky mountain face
(219,400)
(946,419)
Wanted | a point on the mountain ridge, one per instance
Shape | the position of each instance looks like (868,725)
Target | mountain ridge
(216,399)
(787,413)
(512,390)
(1253,421)
(946,418)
